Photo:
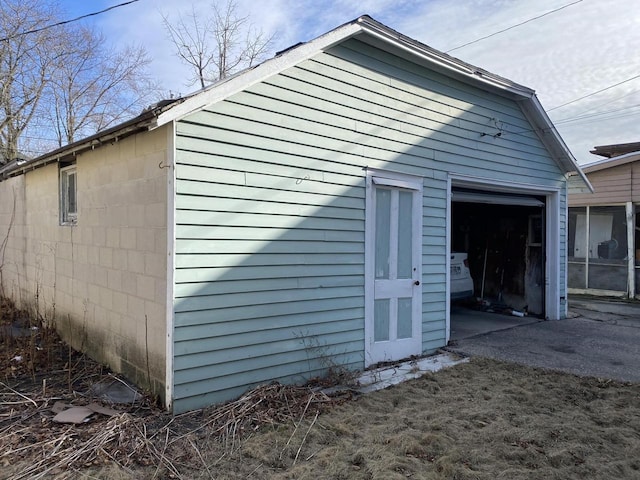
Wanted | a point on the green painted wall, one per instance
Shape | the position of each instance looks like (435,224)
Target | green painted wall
(270,210)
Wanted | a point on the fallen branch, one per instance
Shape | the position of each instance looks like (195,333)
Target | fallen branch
(19,394)
(201,459)
(304,439)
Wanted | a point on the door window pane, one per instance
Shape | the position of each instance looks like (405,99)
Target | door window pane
(382,245)
(405,329)
(381,320)
(405,234)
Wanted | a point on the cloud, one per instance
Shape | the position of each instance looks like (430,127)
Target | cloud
(564,55)
(570,53)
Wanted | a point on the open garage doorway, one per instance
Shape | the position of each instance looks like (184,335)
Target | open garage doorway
(503,236)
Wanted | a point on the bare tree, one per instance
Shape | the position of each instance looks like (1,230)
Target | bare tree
(217,45)
(58,83)
(26,61)
(96,86)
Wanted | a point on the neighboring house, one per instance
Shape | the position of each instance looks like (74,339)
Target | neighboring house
(296,216)
(603,244)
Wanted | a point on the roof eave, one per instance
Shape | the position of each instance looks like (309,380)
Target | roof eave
(71,150)
(611,162)
(433,57)
(147,120)
(550,137)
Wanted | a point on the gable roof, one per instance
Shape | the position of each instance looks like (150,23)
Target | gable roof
(366,29)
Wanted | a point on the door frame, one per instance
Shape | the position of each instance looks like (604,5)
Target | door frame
(399,180)
(555,304)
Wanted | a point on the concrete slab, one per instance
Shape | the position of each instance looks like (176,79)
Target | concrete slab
(467,323)
(593,341)
(384,377)
(608,348)
(389,375)
(612,306)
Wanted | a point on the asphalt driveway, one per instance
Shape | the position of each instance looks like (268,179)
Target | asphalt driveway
(602,339)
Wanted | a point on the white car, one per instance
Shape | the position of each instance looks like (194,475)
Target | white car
(461,283)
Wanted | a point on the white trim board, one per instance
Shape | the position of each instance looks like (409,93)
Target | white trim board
(171,244)
(495,199)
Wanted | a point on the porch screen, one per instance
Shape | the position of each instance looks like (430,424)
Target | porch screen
(597,248)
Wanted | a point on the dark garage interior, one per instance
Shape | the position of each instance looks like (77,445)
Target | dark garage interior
(503,236)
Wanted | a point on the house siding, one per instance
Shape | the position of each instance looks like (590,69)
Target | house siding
(102,281)
(612,186)
(270,198)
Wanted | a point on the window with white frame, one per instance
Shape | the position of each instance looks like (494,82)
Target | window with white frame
(68,195)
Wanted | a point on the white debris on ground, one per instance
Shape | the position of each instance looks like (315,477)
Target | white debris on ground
(384,377)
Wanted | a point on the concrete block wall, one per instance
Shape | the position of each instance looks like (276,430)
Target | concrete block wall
(12,236)
(103,280)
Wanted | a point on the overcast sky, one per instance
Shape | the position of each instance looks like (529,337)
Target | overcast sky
(565,55)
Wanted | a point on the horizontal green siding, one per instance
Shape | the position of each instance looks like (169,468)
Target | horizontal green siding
(289,295)
(283,246)
(251,233)
(270,199)
(240,219)
(240,352)
(220,329)
(275,312)
(250,259)
(194,289)
(231,382)
(299,271)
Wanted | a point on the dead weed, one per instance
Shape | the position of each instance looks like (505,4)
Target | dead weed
(139,440)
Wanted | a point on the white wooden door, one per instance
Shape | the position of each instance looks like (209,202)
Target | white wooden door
(393,325)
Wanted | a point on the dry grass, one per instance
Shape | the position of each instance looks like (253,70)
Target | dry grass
(481,420)
(132,441)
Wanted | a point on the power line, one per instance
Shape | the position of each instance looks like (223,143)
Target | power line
(64,22)
(513,26)
(594,93)
(595,114)
(536,18)
(599,120)
(595,107)
(579,119)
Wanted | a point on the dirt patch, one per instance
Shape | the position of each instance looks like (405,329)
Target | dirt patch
(481,420)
